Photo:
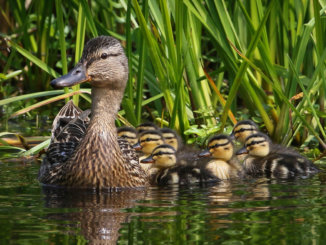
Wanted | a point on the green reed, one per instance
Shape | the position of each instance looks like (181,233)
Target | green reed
(260,55)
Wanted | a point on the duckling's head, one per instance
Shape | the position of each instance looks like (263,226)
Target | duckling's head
(129,134)
(146,126)
(171,137)
(257,145)
(219,147)
(243,129)
(148,140)
(163,156)
(103,64)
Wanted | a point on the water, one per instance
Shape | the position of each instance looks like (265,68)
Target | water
(256,211)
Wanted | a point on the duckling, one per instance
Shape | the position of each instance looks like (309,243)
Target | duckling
(95,158)
(274,160)
(243,129)
(129,134)
(168,168)
(172,138)
(223,165)
(146,126)
(147,142)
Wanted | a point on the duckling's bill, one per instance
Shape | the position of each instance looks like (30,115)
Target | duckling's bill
(242,151)
(206,153)
(137,146)
(76,76)
(148,160)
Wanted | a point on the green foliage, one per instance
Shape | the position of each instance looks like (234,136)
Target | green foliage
(266,60)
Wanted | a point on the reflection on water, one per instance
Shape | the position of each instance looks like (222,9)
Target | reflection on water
(255,211)
(99,215)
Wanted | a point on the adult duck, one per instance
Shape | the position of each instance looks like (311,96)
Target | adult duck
(97,160)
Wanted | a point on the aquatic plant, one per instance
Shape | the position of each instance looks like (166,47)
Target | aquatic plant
(193,63)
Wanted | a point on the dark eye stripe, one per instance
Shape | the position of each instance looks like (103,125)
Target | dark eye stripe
(127,137)
(149,139)
(169,138)
(117,54)
(218,145)
(254,142)
(243,130)
(163,153)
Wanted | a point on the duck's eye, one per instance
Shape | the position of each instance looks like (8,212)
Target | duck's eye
(226,148)
(104,56)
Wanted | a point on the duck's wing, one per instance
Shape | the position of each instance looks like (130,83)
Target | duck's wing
(74,130)
(69,128)
(67,113)
(129,153)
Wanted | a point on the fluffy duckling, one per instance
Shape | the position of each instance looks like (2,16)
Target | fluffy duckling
(146,126)
(168,168)
(129,134)
(171,138)
(243,129)
(274,160)
(147,142)
(223,165)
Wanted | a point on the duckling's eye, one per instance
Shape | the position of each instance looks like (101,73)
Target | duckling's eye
(226,148)
(104,56)
(213,146)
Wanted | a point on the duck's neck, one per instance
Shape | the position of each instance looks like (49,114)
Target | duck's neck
(105,106)
(99,157)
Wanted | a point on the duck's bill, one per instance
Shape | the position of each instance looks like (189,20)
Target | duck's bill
(242,151)
(232,136)
(147,160)
(137,147)
(205,154)
(75,76)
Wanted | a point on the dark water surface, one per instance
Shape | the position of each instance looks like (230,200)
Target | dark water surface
(256,211)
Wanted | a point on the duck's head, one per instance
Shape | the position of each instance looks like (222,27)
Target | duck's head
(148,140)
(257,145)
(103,64)
(146,126)
(219,147)
(171,137)
(243,129)
(163,156)
(129,134)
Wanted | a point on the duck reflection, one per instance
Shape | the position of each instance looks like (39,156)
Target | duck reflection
(227,192)
(99,215)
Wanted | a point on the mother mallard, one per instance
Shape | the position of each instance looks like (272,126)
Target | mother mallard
(88,154)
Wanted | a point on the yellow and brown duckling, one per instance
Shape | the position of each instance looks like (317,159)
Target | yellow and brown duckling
(146,126)
(243,129)
(169,168)
(129,134)
(90,155)
(274,160)
(223,164)
(147,142)
(172,138)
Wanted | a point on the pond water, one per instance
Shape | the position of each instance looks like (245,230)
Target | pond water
(255,211)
